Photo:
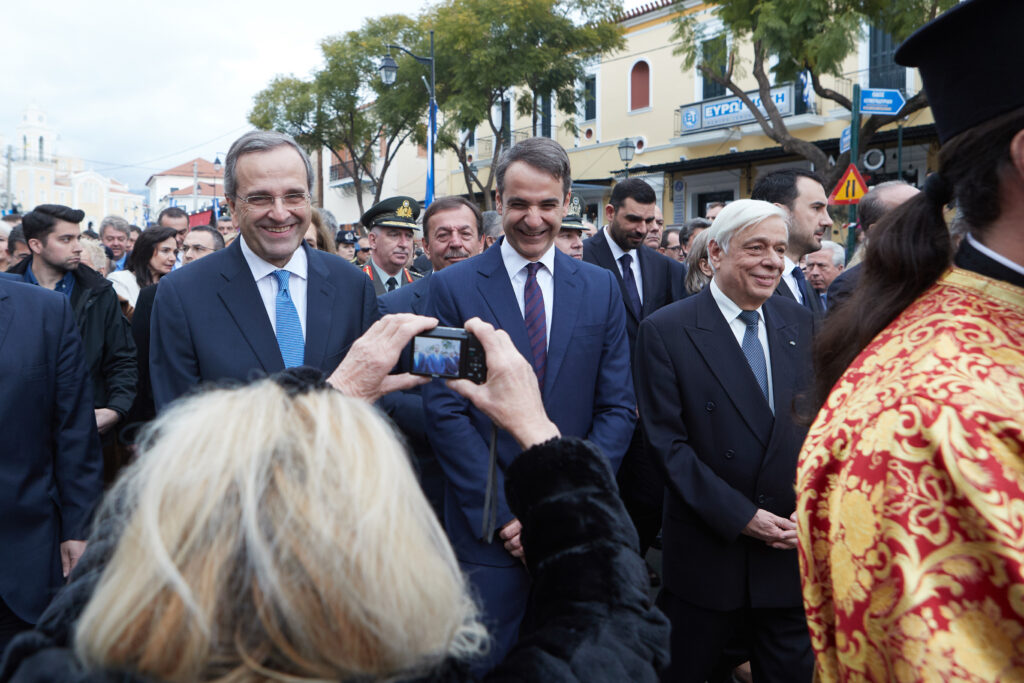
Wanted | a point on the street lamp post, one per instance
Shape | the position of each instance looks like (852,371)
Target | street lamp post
(627,148)
(217,168)
(388,72)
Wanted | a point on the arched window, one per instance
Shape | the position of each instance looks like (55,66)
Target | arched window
(24,147)
(640,86)
(40,148)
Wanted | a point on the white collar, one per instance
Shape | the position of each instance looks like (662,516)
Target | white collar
(616,249)
(729,308)
(297,265)
(994,255)
(790,265)
(514,262)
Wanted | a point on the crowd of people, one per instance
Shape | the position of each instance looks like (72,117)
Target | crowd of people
(227,459)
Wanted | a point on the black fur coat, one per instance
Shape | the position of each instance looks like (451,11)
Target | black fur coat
(589,619)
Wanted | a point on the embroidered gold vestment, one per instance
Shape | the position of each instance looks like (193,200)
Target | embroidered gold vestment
(911,496)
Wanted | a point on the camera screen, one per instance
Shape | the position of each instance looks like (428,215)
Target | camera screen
(433,356)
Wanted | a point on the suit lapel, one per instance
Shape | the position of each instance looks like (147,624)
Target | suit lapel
(647,266)
(319,301)
(717,345)
(784,348)
(568,295)
(243,302)
(6,314)
(496,288)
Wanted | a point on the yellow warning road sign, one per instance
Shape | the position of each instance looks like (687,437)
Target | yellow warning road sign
(850,189)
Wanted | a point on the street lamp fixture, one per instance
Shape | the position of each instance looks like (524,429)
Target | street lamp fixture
(388,72)
(388,69)
(627,148)
(217,165)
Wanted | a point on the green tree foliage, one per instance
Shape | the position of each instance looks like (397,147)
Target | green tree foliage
(489,51)
(333,109)
(805,35)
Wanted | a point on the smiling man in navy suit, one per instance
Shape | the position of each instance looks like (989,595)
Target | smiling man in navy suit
(717,376)
(267,301)
(567,318)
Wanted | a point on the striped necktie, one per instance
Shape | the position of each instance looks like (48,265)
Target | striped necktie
(536,323)
(289,329)
(805,291)
(753,350)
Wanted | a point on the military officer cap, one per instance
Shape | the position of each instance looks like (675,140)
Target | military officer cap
(574,219)
(964,57)
(346,237)
(395,212)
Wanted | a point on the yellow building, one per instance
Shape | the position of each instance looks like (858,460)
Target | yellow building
(694,143)
(39,175)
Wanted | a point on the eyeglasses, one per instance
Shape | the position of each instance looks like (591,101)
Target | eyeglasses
(264,201)
(198,248)
(675,248)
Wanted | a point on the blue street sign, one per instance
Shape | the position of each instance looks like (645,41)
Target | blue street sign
(844,140)
(884,101)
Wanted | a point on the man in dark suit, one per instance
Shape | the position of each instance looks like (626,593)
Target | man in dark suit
(718,374)
(267,301)
(51,473)
(802,194)
(392,223)
(647,280)
(567,318)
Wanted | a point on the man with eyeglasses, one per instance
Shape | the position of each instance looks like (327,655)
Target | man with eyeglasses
(267,301)
(201,241)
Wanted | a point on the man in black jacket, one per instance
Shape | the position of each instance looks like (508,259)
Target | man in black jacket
(52,233)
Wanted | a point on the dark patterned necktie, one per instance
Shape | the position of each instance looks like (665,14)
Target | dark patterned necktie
(391,284)
(632,293)
(801,282)
(753,350)
(536,324)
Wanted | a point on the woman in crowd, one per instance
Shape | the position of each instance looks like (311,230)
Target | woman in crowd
(698,270)
(319,236)
(153,257)
(277,532)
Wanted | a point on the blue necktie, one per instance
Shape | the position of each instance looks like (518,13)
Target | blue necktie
(536,323)
(801,282)
(753,350)
(632,293)
(289,329)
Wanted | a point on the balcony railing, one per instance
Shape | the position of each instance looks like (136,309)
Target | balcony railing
(341,171)
(485,146)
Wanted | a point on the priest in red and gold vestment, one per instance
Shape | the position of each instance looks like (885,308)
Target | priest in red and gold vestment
(911,481)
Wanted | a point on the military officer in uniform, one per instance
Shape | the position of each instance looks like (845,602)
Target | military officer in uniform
(391,224)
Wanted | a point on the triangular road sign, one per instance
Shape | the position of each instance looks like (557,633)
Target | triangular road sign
(850,189)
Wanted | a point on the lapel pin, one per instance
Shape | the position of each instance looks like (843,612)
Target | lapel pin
(792,343)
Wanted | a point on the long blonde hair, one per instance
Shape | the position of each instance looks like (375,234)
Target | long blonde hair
(268,535)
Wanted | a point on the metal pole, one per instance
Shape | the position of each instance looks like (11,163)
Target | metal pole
(433,119)
(899,152)
(195,181)
(851,232)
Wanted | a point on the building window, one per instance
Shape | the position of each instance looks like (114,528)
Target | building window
(590,98)
(640,86)
(883,71)
(545,116)
(41,148)
(471,138)
(713,53)
(24,147)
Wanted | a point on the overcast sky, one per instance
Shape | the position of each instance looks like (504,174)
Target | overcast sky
(139,87)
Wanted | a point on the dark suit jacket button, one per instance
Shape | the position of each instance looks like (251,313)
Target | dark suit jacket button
(761,498)
(729,453)
(709,406)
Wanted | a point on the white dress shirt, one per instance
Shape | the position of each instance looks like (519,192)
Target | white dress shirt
(787,275)
(516,267)
(266,282)
(731,312)
(634,265)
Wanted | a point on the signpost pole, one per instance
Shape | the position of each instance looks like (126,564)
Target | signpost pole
(851,232)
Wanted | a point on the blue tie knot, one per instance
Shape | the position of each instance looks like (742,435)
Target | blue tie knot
(282,279)
(626,260)
(798,274)
(532,268)
(749,318)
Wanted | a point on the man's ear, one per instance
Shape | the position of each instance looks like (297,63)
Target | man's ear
(35,245)
(609,213)
(1017,152)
